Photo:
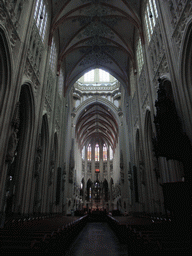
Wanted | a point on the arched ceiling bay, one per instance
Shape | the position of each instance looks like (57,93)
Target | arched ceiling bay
(95,33)
(97,122)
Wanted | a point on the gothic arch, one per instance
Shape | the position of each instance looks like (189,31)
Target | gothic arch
(44,166)
(186,70)
(53,172)
(22,129)
(42,177)
(100,100)
(141,173)
(5,74)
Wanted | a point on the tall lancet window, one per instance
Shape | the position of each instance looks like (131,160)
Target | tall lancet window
(83,153)
(110,153)
(97,152)
(104,153)
(140,60)
(40,17)
(151,16)
(53,56)
(61,81)
(89,153)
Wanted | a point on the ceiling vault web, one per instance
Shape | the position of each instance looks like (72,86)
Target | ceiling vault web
(95,33)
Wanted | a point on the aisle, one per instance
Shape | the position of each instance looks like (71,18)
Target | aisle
(97,239)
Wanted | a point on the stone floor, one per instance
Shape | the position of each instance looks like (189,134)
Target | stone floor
(98,239)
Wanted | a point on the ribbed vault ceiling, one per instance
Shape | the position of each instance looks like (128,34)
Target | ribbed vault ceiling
(95,33)
(96,122)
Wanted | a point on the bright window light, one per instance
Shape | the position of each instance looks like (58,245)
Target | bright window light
(52,60)
(111,152)
(97,152)
(40,17)
(89,76)
(151,15)
(89,153)
(103,76)
(140,60)
(83,153)
(104,153)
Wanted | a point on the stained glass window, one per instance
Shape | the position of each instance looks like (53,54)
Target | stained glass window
(111,152)
(89,153)
(104,153)
(40,17)
(151,16)
(97,152)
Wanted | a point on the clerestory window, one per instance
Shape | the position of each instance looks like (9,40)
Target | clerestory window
(89,153)
(140,60)
(97,152)
(83,153)
(110,152)
(40,17)
(61,80)
(104,153)
(53,56)
(151,16)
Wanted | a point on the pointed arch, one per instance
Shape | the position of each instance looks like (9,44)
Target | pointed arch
(5,74)
(24,133)
(41,181)
(185,73)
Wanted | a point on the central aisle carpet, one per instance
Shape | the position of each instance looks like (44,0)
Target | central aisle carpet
(97,239)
